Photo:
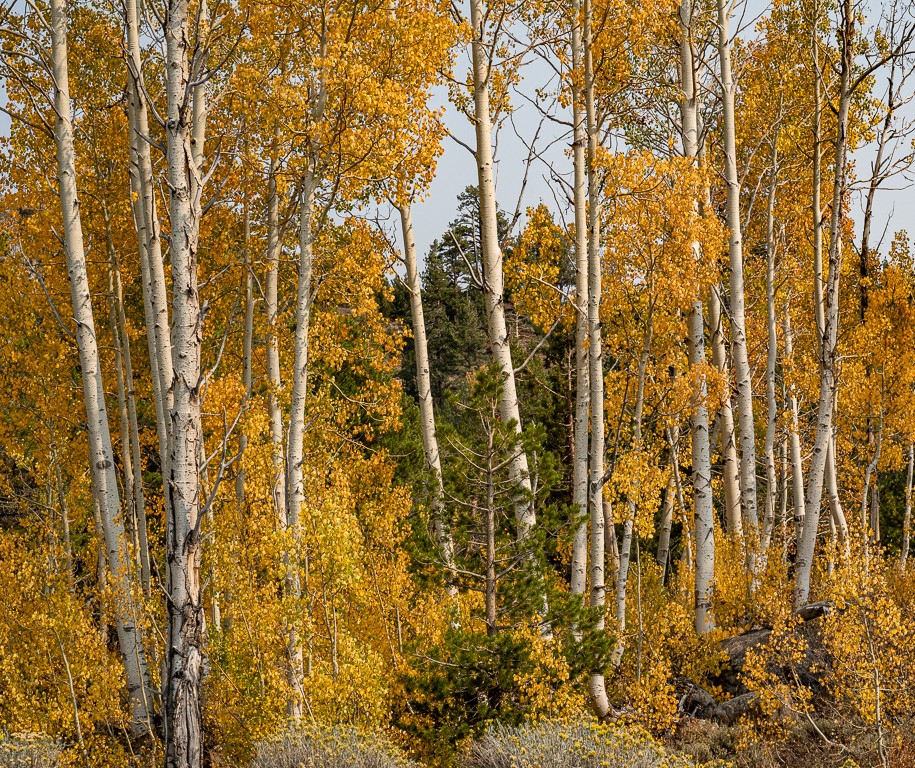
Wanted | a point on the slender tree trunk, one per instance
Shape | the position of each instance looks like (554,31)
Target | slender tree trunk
(596,684)
(621,580)
(271,305)
(186,660)
(247,352)
(130,431)
(130,516)
(797,464)
(492,266)
(743,380)
(64,508)
(828,354)
(837,514)
(907,516)
(101,453)
(701,455)
(667,521)
(580,469)
(771,357)
(295,490)
(155,291)
(426,408)
(730,466)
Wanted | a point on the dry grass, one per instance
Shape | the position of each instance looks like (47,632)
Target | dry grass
(329,748)
(28,750)
(583,744)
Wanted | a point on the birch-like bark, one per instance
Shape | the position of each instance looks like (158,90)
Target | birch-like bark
(596,685)
(823,437)
(295,491)
(146,219)
(271,307)
(742,373)
(797,464)
(907,516)
(493,288)
(667,521)
(703,508)
(580,469)
(771,352)
(186,660)
(730,466)
(426,407)
(130,430)
(101,452)
(247,352)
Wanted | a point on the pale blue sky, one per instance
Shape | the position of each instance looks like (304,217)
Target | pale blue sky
(895,206)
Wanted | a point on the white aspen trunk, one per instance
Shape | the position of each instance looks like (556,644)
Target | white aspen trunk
(580,495)
(130,434)
(797,464)
(247,351)
(101,453)
(702,482)
(827,355)
(155,290)
(64,507)
(771,404)
(492,266)
(621,579)
(783,500)
(130,516)
(186,660)
(426,407)
(673,439)
(596,685)
(152,268)
(907,516)
(271,306)
(667,521)
(149,313)
(730,466)
(295,490)
(837,515)
(703,508)
(742,374)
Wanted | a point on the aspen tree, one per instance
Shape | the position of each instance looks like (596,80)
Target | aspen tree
(743,381)
(730,466)
(596,684)
(186,653)
(797,464)
(771,355)
(580,469)
(701,458)
(424,393)
(494,279)
(101,454)
(827,352)
(247,347)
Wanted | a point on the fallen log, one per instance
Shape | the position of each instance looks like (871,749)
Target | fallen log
(699,703)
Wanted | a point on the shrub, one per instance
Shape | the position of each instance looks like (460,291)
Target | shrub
(329,748)
(583,744)
(29,750)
